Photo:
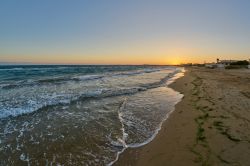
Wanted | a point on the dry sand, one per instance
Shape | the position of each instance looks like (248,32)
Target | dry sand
(210,126)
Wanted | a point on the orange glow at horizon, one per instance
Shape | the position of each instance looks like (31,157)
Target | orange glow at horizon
(112,60)
(171,57)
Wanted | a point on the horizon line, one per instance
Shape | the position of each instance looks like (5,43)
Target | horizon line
(68,64)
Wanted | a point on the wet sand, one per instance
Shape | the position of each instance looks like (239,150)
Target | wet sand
(210,126)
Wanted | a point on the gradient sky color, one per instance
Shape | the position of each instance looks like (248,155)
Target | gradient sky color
(123,31)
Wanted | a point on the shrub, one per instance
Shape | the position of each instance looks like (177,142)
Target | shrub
(240,63)
(235,66)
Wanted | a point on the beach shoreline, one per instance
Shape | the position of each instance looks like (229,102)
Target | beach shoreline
(208,116)
(172,78)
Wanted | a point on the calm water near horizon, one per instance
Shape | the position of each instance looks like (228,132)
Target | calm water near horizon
(81,115)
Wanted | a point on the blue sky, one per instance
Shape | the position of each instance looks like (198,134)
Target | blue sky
(124,31)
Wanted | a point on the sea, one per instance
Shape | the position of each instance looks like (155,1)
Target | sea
(81,114)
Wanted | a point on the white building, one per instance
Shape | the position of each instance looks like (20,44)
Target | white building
(220,65)
(210,65)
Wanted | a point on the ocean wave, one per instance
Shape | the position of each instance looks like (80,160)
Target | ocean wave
(87,77)
(6,68)
(63,79)
(129,73)
(9,69)
(66,98)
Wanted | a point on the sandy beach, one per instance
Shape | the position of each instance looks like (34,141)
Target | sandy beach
(210,126)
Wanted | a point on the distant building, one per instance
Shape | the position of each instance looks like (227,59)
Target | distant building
(221,63)
(226,62)
(210,65)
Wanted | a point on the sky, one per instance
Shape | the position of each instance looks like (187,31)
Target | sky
(123,31)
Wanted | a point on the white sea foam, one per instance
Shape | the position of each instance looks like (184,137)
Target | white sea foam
(120,113)
(176,75)
(88,77)
(26,100)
